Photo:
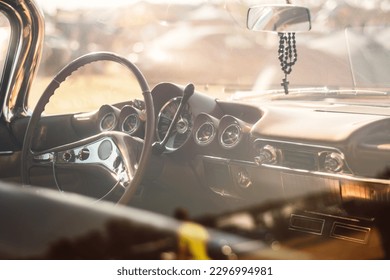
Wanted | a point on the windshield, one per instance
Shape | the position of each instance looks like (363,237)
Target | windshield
(202,42)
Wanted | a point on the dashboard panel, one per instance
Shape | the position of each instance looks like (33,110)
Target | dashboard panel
(303,136)
(228,144)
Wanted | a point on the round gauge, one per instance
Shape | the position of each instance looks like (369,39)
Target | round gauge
(205,134)
(108,122)
(131,123)
(231,136)
(182,131)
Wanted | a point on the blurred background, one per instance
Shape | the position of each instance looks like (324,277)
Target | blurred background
(188,41)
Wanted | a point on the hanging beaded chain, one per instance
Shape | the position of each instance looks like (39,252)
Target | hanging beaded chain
(287,54)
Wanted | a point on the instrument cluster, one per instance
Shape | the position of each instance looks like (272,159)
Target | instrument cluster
(228,131)
(202,120)
(130,118)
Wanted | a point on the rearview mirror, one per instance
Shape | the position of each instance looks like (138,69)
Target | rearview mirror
(278,18)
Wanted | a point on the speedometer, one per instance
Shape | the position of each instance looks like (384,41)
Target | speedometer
(182,130)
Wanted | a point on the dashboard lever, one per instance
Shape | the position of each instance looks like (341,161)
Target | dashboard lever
(159,147)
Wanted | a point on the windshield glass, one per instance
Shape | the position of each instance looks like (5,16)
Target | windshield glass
(202,42)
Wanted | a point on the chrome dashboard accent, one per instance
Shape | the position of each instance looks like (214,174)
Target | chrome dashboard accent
(131,123)
(305,157)
(102,152)
(231,136)
(334,162)
(48,157)
(205,129)
(108,122)
(83,154)
(268,154)
(68,156)
(6,153)
(205,134)
(131,119)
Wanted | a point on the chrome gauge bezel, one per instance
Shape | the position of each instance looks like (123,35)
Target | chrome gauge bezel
(135,127)
(237,136)
(200,129)
(104,118)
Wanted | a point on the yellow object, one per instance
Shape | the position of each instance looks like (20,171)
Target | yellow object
(193,241)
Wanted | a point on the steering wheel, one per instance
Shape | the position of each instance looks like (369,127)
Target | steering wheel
(112,153)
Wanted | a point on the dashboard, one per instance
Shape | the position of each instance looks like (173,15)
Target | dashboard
(330,139)
(321,139)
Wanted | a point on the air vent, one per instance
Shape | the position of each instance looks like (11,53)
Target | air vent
(299,160)
(299,156)
(349,232)
(307,224)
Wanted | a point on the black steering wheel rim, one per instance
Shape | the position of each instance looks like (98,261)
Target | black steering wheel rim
(27,153)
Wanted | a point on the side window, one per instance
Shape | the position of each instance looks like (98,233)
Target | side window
(5,31)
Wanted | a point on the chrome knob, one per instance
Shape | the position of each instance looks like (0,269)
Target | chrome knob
(68,156)
(334,162)
(267,155)
(84,154)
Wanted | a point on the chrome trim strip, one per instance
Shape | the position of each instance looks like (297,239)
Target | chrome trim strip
(332,175)
(339,217)
(6,153)
(228,161)
(315,173)
(297,144)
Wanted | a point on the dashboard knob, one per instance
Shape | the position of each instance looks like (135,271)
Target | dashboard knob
(267,155)
(68,156)
(334,162)
(84,154)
